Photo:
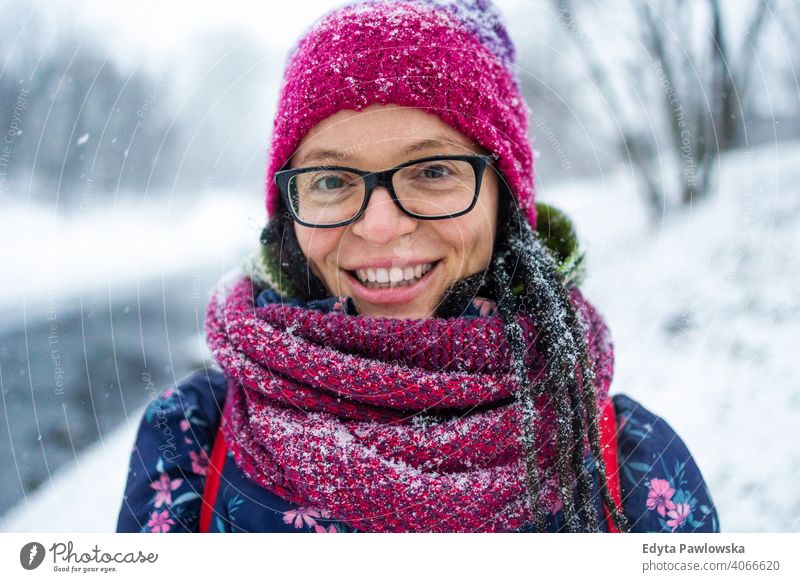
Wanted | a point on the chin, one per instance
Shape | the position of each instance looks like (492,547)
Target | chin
(399,312)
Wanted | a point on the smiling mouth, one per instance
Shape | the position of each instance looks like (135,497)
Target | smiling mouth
(394,277)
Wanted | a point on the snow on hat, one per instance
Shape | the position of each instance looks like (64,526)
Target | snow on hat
(451,58)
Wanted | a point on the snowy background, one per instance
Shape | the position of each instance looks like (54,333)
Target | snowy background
(134,180)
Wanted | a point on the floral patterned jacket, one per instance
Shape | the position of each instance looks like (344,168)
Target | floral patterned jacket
(661,485)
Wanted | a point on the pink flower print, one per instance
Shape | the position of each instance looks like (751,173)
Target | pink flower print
(199,462)
(160,522)
(485,306)
(556,506)
(164,488)
(342,304)
(659,496)
(168,392)
(321,529)
(309,515)
(184,424)
(678,514)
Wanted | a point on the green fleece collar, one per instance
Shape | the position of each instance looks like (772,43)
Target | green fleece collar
(558,234)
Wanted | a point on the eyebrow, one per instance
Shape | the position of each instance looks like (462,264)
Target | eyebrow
(425,144)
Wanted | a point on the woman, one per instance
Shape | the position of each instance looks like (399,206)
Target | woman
(409,350)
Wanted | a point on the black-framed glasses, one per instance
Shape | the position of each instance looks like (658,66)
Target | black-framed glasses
(432,188)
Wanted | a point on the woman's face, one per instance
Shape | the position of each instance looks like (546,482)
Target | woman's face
(377,138)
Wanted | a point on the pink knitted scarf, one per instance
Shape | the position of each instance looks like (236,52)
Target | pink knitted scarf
(389,425)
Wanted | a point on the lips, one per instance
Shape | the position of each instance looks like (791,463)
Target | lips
(381,278)
(390,292)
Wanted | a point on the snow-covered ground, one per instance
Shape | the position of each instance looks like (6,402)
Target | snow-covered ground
(118,245)
(705,316)
(704,312)
(121,242)
(84,495)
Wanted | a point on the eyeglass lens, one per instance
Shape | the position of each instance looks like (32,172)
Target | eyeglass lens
(431,188)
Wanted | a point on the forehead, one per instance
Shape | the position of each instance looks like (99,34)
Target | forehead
(380,134)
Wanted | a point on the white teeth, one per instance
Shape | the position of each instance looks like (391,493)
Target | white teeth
(394,276)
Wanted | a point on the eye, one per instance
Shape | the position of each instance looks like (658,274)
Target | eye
(329,182)
(435,171)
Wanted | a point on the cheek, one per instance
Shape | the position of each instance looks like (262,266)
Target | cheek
(479,225)
(479,239)
(470,238)
(484,218)
(318,245)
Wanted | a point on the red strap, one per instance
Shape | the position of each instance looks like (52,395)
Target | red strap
(218,452)
(608,443)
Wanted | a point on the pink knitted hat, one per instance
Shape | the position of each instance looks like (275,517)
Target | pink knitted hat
(450,58)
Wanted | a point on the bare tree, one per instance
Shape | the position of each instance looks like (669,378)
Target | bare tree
(704,89)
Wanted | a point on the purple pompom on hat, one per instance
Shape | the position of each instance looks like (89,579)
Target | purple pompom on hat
(451,58)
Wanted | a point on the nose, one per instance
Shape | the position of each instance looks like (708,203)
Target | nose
(382,221)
